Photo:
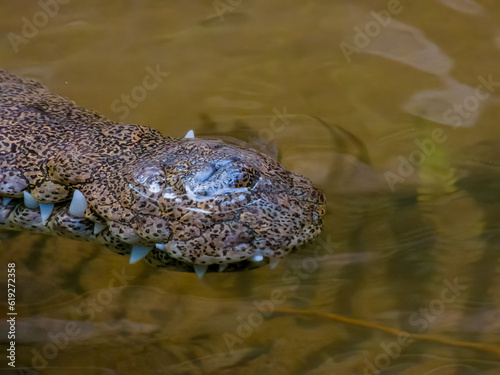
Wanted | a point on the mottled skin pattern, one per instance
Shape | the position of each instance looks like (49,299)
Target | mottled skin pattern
(212,203)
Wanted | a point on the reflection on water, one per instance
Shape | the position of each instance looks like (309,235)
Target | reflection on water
(408,260)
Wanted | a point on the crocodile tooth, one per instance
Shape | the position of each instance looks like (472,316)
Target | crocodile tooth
(98,227)
(29,201)
(257,258)
(78,204)
(200,269)
(222,267)
(6,200)
(160,246)
(46,210)
(190,134)
(273,263)
(139,252)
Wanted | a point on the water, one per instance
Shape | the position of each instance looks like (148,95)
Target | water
(410,242)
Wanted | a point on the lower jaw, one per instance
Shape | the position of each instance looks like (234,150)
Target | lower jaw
(152,254)
(200,269)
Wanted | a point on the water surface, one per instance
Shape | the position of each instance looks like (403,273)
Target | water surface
(411,239)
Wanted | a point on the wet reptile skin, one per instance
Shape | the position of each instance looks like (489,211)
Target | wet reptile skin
(209,202)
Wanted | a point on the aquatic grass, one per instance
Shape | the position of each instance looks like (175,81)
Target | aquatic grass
(392,331)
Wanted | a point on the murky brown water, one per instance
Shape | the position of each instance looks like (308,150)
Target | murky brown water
(410,244)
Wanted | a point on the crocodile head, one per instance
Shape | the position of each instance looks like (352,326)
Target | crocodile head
(212,206)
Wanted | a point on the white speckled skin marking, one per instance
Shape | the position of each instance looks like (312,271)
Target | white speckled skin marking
(209,205)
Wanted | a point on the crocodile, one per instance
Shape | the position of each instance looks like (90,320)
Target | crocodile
(192,204)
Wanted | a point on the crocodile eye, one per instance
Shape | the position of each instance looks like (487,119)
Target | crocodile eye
(224,177)
(244,178)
